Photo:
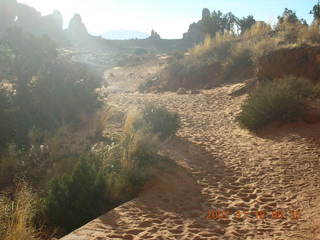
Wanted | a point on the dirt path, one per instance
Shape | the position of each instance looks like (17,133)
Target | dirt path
(223,168)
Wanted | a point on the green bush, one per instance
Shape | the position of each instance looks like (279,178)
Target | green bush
(75,199)
(63,93)
(280,100)
(239,60)
(49,90)
(17,214)
(152,120)
(6,128)
(162,122)
(124,185)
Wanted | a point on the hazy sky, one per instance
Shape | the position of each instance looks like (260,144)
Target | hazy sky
(170,18)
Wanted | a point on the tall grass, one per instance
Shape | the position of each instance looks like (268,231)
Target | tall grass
(212,44)
(17,216)
(309,34)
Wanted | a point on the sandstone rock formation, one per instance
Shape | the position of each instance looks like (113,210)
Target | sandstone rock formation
(28,18)
(154,35)
(8,13)
(52,25)
(76,27)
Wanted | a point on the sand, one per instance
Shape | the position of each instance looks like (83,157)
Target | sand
(225,172)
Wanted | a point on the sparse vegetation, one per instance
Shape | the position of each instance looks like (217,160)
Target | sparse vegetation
(75,199)
(48,103)
(278,100)
(112,174)
(48,90)
(17,215)
(229,53)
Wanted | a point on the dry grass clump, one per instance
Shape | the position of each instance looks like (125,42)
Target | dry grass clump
(310,34)
(211,44)
(17,215)
(258,31)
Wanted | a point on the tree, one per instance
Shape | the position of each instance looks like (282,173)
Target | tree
(218,22)
(288,16)
(245,23)
(229,22)
(213,24)
(316,12)
(205,13)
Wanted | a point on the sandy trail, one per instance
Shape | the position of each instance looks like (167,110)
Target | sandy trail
(223,168)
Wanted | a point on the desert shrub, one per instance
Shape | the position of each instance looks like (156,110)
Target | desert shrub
(124,174)
(162,122)
(239,60)
(48,89)
(129,162)
(157,119)
(280,100)
(124,185)
(17,215)
(63,93)
(75,199)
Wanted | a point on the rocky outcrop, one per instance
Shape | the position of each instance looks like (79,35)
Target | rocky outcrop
(154,35)
(29,19)
(52,25)
(8,13)
(53,22)
(76,28)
